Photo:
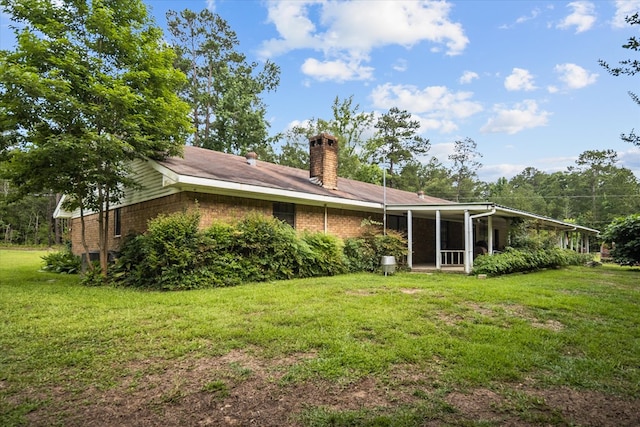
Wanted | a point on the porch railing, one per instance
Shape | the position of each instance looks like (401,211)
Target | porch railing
(452,257)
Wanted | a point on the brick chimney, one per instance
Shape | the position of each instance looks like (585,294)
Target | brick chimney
(323,161)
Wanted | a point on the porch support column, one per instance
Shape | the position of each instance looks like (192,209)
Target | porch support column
(490,234)
(438,242)
(571,236)
(410,239)
(468,242)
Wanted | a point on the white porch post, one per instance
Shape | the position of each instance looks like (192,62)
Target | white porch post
(490,234)
(438,242)
(410,239)
(468,244)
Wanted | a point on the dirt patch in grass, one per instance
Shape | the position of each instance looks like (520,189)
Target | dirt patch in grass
(239,389)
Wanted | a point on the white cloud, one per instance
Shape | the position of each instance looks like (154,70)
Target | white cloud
(624,8)
(400,65)
(574,76)
(630,159)
(211,5)
(436,107)
(519,79)
(524,115)
(491,173)
(534,14)
(442,151)
(582,18)
(522,19)
(354,29)
(337,70)
(468,76)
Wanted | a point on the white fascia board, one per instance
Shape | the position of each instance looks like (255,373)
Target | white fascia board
(59,211)
(447,207)
(547,220)
(487,207)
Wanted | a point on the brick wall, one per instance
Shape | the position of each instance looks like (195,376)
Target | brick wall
(134,218)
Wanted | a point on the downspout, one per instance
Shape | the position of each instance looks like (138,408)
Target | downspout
(438,242)
(326,220)
(410,239)
(468,259)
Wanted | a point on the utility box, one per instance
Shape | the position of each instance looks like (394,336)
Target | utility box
(388,264)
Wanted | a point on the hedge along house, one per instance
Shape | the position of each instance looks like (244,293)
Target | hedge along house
(440,234)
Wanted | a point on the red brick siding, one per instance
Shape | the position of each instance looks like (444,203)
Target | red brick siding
(134,218)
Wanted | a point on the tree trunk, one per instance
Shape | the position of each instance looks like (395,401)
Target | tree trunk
(83,239)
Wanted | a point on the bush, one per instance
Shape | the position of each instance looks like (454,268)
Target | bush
(174,254)
(327,255)
(624,232)
(166,257)
(365,252)
(516,260)
(64,262)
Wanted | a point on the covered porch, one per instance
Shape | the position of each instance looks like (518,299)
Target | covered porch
(447,237)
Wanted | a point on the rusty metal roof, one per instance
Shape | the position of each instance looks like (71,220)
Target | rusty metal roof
(214,165)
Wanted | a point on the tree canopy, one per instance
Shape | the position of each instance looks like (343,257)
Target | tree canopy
(89,87)
(224,89)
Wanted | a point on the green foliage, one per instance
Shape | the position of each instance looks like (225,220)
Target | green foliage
(624,232)
(327,255)
(522,260)
(396,142)
(364,253)
(62,262)
(166,257)
(524,238)
(89,87)
(174,254)
(224,89)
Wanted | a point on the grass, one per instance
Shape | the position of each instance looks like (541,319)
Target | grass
(576,327)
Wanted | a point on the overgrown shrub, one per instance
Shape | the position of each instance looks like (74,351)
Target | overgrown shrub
(327,255)
(175,254)
(517,260)
(624,233)
(167,257)
(365,252)
(64,262)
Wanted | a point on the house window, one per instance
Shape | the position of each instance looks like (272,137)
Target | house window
(397,223)
(285,212)
(117,222)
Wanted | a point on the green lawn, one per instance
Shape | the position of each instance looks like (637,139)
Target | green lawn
(572,329)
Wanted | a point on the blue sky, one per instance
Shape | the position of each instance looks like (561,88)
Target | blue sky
(521,78)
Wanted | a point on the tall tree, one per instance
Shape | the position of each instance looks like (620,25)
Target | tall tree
(465,169)
(224,89)
(350,126)
(90,87)
(629,67)
(396,142)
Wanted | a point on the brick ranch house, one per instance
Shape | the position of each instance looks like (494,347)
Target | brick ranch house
(440,234)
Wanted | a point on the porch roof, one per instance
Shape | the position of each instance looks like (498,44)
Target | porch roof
(448,211)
